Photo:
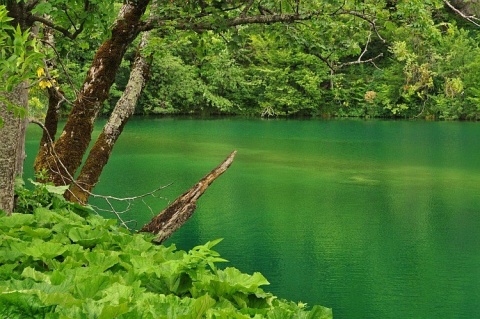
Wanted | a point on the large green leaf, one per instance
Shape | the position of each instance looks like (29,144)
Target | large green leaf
(61,265)
(90,287)
(114,311)
(16,220)
(36,232)
(201,305)
(43,250)
(319,312)
(87,237)
(102,260)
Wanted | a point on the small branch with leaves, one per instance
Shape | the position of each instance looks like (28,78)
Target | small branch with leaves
(359,60)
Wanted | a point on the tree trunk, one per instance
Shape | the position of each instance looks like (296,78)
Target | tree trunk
(75,138)
(100,152)
(177,213)
(55,100)
(12,146)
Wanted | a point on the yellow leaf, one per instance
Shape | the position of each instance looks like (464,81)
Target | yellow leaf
(45,84)
(40,72)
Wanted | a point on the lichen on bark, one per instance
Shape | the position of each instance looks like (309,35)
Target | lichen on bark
(12,145)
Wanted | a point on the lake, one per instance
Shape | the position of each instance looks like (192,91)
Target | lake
(375,219)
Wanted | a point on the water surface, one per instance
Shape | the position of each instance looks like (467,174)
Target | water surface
(375,219)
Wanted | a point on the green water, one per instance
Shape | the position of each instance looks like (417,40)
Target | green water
(376,219)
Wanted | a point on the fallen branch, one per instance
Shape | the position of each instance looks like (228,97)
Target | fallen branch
(177,213)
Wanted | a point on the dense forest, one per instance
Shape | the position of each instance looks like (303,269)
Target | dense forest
(396,61)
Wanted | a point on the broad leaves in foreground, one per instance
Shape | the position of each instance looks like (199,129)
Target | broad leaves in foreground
(55,263)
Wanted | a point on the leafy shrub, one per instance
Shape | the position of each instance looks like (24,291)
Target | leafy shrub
(55,263)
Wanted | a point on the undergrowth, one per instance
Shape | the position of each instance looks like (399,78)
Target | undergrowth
(60,260)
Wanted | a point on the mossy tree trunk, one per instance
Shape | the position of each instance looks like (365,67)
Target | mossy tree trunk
(124,109)
(67,152)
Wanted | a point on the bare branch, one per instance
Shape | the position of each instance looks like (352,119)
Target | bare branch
(359,60)
(362,61)
(334,66)
(371,21)
(50,24)
(247,8)
(470,18)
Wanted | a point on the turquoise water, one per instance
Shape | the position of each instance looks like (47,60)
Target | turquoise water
(375,219)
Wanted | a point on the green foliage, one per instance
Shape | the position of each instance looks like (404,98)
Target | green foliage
(440,77)
(44,195)
(19,59)
(19,56)
(55,263)
(429,66)
(307,69)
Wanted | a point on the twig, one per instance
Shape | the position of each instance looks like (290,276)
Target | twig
(362,16)
(472,19)
(63,67)
(107,198)
(247,7)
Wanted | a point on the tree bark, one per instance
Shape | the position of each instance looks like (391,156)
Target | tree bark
(100,152)
(75,138)
(177,213)
(12,146)
(55,100)
(12,133)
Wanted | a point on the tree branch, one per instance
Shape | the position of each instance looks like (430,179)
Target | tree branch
(64,68)
(178,212)
(230,22)
(359,60)
(472,19)
(362,16)
(247,7)
(62,30)
(107,198)
(323,59)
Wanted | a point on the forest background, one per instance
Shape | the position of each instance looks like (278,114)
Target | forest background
(409,63)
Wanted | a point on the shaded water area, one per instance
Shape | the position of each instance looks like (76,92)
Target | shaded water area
(375,219)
